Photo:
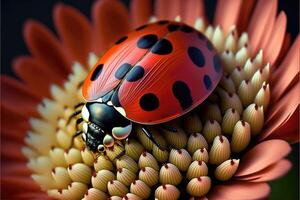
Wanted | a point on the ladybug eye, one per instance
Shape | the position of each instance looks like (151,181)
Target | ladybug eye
(100,148)
(108,141)
(121,133)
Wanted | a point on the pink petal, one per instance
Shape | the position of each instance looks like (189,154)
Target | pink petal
(16,97)
(75,31)
(270,173)
(45,47)
(280,114)
(287,71)
(167,9)
(284,50)
(227,13)
(111,21)
(262,156)
(37,76)
(289,130)
(268,31)
(140,12)
(238,190)
(191,10)
(275,42)
(246,10)
(260,20)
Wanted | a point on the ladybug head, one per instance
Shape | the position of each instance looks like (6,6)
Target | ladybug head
(103,123)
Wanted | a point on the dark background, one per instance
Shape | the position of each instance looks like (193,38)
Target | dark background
(15,12)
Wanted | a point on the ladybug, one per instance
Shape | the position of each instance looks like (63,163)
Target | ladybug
(154,74)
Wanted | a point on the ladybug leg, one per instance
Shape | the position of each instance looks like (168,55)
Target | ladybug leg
(168,128)
(150,136)
(73,115)
(78,121)
(78,105)
(74,136)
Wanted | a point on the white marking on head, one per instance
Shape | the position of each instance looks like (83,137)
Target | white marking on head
(121,111)
(85,113)
(99,100)
(85,127)
(109,103)
(84,137)
(121,133)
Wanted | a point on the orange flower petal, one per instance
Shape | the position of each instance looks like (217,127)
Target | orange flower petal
(140,12)
(270,173)
(33,196)
(12,151)
(167,9)
(280,114)
(275,42)
(16,97)
(45,47)
(37,76)
(15,169)
(227,13)
(191,10)
(240,191)
(111,21)
(262,156)
(282,78)
(245,14)
(13,121)
(12,135)
(75,31)
(259,21)
(13,185)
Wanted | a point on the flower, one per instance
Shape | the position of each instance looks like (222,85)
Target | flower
(233,125)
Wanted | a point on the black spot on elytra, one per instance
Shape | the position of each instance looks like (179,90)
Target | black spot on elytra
(141,27)
(162,47)
(163,22)
(217,63)
(135,74)
(97,71)
(209,45)
(147,41)
(122,39)
(207,82)
(115,99)
(149,102)
(186,29)
(196,56)
(122,71)
(201,36)
(173,27)
(183,94)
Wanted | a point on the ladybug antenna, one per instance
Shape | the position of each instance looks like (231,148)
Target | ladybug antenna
(74,114)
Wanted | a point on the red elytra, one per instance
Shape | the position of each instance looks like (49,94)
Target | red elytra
(156,73)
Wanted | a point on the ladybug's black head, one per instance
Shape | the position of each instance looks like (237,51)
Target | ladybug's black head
(102,124)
